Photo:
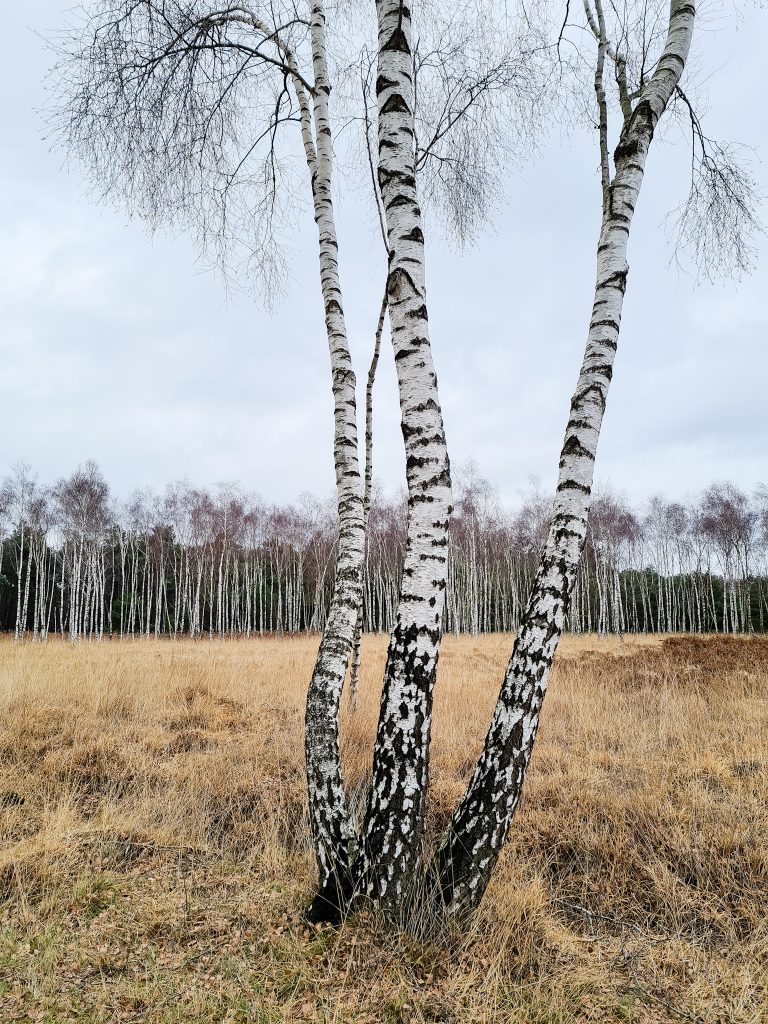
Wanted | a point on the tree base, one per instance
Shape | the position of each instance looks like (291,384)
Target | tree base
(333,901)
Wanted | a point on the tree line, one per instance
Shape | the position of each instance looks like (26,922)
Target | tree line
(77,562)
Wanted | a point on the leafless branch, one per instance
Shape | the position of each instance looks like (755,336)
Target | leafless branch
(176,110)
(718,220)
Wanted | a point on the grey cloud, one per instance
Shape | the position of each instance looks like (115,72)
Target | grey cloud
(121,349)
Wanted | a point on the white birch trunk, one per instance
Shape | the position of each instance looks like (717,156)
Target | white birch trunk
(332,831)
(19,576)
(393,830)
(354,673)
(479,826)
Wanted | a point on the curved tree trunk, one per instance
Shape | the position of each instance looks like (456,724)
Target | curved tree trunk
(476,834)
(332,831)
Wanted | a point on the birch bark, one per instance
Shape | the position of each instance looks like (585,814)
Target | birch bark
(393,827)
(332,831)
(354,671)
(479,826)
(19,575)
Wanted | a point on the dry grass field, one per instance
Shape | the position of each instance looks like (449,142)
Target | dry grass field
(154,855)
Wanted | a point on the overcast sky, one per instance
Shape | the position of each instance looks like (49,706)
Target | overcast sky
(119,348)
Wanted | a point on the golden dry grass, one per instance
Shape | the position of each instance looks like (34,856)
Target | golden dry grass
(155,868)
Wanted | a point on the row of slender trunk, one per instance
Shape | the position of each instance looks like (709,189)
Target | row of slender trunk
(135,590)
(126,584)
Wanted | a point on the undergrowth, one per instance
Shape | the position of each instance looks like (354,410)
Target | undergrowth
(155,859)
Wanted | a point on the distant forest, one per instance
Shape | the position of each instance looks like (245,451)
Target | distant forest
(75,561)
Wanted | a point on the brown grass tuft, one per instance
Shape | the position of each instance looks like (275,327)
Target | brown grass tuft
(154,852)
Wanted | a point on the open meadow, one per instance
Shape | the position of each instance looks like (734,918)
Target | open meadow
(154,853)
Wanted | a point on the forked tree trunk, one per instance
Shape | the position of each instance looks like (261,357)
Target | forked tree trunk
(476,834)
(393,827)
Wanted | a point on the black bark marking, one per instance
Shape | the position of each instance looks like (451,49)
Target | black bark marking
(604,369)
(573,446)
(573,485)
(395,105)
(382,83)
(406,178)
(414,235)
(398,281)
(399,200)
(618,279)
(638,132)
(397,42)
(594,389)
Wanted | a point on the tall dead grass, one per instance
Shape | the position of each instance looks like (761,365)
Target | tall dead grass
(154,850)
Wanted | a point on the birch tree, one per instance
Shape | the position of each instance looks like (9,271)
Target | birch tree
(394,822)
(17,500)
(475,836)
(385,863)
(82,505)
(177,110)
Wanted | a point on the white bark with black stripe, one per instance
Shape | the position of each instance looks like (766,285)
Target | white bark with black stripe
(394,820)
(332,831)
(479,826)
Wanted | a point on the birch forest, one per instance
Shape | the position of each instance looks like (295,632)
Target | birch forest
(195,562)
